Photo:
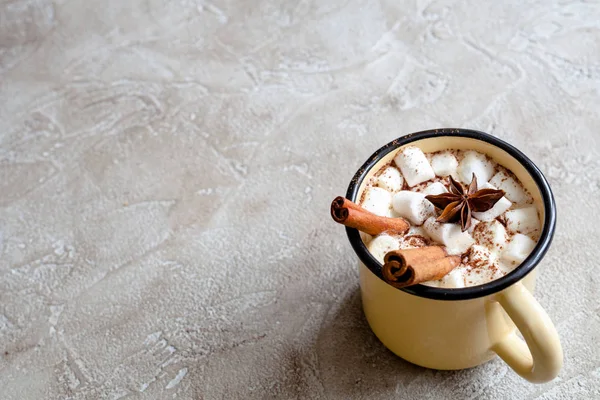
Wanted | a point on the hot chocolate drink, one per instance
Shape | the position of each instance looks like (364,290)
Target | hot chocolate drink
(462,201)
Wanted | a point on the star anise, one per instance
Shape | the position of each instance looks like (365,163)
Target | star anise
(460,202)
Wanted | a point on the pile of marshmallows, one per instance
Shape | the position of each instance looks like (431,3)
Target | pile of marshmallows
(490,241)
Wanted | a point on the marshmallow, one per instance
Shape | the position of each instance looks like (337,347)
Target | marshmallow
(432,283)
(418,231)
(444,164)
(394,214)
(512,189)
(450,235)
(491,235)
(475,163)
(474,223)
(481,257)
(523,220)
(382,245)
(390,179)
(414,165)
(378,201)
(413,206)
(453,279)
(505,267)
(435,188)
(517,250)
(499,208)
(484,266)
(410,242)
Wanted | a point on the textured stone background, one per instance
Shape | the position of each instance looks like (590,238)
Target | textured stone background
(166,169)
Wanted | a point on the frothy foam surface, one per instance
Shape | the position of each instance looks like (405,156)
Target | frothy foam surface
(498,240)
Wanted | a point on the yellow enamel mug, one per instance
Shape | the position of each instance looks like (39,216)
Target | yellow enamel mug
(460,328)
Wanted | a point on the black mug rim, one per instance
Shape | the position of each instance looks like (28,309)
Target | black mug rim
(472,292)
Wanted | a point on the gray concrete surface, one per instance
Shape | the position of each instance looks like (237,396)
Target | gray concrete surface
(166,169)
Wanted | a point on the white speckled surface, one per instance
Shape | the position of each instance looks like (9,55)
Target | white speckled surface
(166,169)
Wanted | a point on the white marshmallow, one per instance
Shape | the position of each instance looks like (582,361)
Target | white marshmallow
(474,223)
(505,267)
(417,230)
(413,206)
(432,283)
(450,235)
(390,179)
(453,279)
(499,208)
(410,242)
(484,266)
(382,245)
(482,257)
(512,189)
(475,163)
(393,212)
(378,201)
(414,165)
(491,235)
(517,250)
(523,220)
(435,188)
(444,164)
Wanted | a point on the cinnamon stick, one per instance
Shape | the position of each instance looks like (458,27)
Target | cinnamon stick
(412,266)
(350,214)
(401,259)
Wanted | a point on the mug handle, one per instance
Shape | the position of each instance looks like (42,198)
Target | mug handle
(539,358)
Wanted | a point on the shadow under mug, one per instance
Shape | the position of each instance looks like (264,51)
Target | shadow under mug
(460,328)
